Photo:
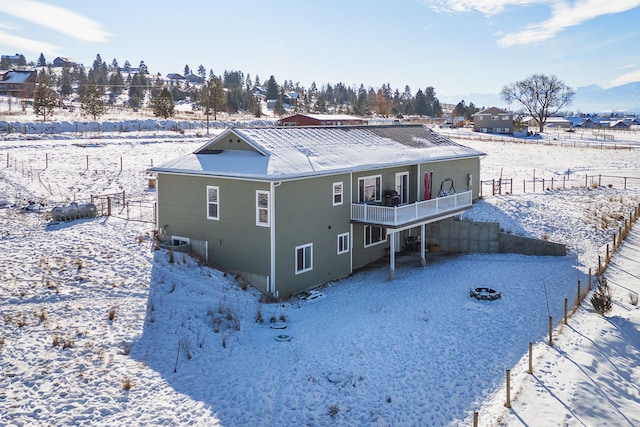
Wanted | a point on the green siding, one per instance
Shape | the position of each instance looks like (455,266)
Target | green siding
(305,214)
(235,242)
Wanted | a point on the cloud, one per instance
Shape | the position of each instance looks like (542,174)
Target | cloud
(633,76)
(564,14)
(55,18)
(488,7)
(20,43)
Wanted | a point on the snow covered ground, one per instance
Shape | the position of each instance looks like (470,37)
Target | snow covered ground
(98,328)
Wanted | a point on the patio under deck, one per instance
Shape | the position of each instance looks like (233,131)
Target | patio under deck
(398,218)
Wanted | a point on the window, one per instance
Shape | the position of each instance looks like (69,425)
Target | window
(480,118)
(494,118)
(304,258)
(370,189)
(262,208)
(343,243)
(179,241)
(374,235)
(337,193)
(213,202)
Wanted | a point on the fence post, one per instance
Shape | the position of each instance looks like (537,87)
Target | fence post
(579,300)
(508,402)
(551,331)
(530,371)
(475,418)
(566,302)
(108,205)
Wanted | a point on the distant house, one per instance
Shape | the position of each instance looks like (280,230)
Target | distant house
(16,83)
(581,122)
(175,77)
(194,79)
(14,60)
(290,208)
(321,120)
(64,62)
(551,122)
(493,120)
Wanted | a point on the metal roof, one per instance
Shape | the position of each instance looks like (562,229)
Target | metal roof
(297,152)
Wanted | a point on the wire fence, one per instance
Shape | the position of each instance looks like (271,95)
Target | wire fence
(535,184)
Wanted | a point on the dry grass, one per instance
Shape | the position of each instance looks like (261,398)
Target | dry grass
(126,384)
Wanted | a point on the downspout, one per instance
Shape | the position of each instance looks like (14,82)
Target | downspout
(271,287)
(350,223)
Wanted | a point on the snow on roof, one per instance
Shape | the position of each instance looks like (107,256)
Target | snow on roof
(17,76)
(286,153)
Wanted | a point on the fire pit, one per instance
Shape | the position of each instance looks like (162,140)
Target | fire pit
(485,294)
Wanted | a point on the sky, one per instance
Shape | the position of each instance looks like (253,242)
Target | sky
(455,46)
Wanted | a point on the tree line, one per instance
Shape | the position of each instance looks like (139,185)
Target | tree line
(102,85)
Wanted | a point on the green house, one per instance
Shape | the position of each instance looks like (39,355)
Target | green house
(291,208)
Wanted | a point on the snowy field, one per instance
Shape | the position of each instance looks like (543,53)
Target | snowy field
(98,328)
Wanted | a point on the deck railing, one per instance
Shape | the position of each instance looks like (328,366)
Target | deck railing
(405,214)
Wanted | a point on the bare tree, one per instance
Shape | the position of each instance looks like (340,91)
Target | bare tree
(542,96)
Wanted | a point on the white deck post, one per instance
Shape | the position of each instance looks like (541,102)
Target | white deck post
(392,257)
(423,241)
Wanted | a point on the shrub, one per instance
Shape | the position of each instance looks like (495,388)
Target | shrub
(633,298)
(126,384)
(112,314)
(601,298)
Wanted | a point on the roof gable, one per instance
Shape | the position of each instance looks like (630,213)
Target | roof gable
(491,111)
(230,140)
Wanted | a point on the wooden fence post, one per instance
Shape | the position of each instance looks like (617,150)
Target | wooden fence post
(566,302)
(475,418)
(530,371)
(508,402)
(108,205)
(579,300)
(551,331)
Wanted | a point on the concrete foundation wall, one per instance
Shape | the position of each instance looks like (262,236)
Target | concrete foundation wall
(452,236)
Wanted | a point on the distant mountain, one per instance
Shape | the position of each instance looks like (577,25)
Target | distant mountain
(588,99)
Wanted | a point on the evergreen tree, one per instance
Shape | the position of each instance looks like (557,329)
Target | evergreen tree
(66,87)
(421,107)
(187,70)
(136,91)
(272,88)
(116,83)
(202,72)
(361,106)
(212,98)
(162,104)
(92,102)
(22,61)
(42,62)
(44,98)
(601,298)
(5,64)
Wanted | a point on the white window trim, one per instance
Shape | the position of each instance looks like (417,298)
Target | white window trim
(217,202)
(344,238)
(258,208)
(367,232)
(308,246)
(378,195)
(404,193)
(182,241)
(341,193)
